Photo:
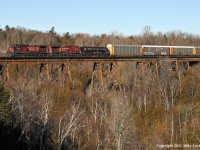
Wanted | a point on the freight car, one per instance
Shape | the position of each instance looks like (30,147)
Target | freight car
(124,50)
(155,50)
(197,51)
(182,50)
(149,50)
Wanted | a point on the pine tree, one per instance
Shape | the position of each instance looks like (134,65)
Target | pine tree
(5,108)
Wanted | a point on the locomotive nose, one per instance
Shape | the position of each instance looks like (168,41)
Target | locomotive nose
(10,49)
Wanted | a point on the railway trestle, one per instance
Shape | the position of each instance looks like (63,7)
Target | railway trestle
(105,73)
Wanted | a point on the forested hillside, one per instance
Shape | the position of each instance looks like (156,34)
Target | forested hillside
(146,110)
(19,35)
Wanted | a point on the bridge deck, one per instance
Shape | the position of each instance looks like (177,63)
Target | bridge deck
(95,59)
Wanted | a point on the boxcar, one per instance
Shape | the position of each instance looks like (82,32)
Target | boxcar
(197,49)
(182,50)
(124,50)
(155,50)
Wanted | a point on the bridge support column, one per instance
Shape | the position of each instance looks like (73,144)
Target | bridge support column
(64,72)
(178,65)
(156,67)
(53,72)
(105,76)
(67,65)
(187,65)
(114,75)
(153,65)
(44,67)
(174,65)
(4,72)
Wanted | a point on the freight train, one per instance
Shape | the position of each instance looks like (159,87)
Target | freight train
(17,50)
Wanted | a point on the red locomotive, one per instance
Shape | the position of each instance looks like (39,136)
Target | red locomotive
(64,50)
(56,51)
(28,50)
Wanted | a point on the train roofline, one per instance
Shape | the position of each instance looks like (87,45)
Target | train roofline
(167,46)
(162,46)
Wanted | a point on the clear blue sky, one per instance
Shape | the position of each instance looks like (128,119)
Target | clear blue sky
(102,16)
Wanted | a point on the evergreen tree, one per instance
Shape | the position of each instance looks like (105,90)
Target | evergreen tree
(5,107)
(9,131)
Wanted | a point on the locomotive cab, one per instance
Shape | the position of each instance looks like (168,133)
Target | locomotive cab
(10,51)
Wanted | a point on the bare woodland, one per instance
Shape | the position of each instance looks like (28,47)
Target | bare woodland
(20,35)
(65,112)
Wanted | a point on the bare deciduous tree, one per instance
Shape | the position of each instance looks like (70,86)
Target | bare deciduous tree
(69,123)
(43,114)
(23,100)
(120,122)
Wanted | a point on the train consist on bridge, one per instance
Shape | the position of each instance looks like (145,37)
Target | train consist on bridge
(17,50)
